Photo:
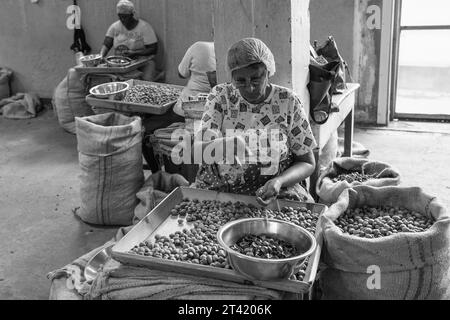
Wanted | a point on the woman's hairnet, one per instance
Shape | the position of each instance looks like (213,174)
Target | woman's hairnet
(249,51)
(125,7)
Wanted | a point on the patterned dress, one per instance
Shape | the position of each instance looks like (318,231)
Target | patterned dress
(281,113)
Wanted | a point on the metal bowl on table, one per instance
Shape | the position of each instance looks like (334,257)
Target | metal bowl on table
(117,61)
(92,60)
(110,90)
(266,269)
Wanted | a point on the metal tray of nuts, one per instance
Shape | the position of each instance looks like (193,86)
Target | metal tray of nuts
(105,69)
(133,107)
(160,223)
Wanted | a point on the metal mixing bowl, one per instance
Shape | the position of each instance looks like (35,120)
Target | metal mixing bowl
(112,90)
(117,61)
(265,269)
(91,60)
(97,262)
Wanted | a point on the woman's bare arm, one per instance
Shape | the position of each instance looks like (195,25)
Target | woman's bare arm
(302,168)
(107,45)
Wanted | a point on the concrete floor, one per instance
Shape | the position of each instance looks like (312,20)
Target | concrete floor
(39,192)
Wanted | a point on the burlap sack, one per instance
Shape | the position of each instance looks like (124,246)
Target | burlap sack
(5,78)
(110,157)
(156,188)
(412,265)
(69,100)
(328,191)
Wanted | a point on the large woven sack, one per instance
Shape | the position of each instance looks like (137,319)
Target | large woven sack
(69,100)
(411,265)
(156,188)
(110,157)
(5,77)
(328,191)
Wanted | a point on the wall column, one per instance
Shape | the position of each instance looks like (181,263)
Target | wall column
(283,25)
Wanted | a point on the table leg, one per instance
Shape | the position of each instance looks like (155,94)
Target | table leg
(348,136)
(315,176)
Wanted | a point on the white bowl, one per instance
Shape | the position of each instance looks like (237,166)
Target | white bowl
(110,90)
(91,60)
(117,61)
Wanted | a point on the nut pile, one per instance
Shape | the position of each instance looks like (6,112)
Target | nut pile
(371,222)
(152,94)
(352,177)
(265,247)
(197,243)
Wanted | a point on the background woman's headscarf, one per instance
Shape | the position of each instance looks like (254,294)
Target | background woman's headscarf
(248,51)
(125,7)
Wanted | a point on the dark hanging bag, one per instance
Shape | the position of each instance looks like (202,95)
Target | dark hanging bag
(330,52)
(320,86)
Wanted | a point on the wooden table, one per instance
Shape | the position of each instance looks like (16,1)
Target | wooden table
(322,133)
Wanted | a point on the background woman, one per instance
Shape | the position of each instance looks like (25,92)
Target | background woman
(131,37)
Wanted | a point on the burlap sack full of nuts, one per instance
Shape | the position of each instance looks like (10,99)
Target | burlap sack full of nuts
(381,175)
(402,266)
(110,158)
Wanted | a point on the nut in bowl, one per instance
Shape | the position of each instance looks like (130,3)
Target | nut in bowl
(92,60)
(110,90)
(275,248)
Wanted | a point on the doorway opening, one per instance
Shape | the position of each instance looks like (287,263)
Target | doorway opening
(421,87)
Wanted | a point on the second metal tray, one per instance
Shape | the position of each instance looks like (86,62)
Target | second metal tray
(132,107)
(104,69)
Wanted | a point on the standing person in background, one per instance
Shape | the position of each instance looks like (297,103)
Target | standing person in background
(198,61)
(132,37)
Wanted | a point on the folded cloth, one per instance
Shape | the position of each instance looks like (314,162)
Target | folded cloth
(133,283)
(74,272)
(359,150)
(20,106)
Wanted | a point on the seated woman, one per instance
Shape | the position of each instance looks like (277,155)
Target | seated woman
(252,104)
(132,38)
(198,60)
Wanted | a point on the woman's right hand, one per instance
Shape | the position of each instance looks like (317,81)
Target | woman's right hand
(269,191)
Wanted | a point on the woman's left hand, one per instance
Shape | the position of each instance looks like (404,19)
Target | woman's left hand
(270,190)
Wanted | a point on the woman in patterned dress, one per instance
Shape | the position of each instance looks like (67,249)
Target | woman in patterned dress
(250,106)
